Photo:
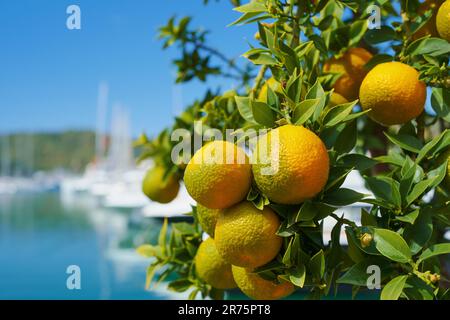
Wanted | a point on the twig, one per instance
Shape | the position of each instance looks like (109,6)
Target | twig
(259,78)
(343,220)
(296,31)
(218,54)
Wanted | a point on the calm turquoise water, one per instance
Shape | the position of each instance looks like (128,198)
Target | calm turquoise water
(40,237)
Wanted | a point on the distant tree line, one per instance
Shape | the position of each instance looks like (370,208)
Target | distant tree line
(22,154)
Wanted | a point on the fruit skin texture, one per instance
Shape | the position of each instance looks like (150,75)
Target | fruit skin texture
(246,236)
(222,179)
(351,66)
(258,288)
(428,28)
(159,189)
(443,20)
(208,219)
(394,93)
(212,268)
(303,165)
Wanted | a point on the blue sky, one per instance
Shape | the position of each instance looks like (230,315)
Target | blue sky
(49,75)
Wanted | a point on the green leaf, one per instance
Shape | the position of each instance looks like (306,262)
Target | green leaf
(417,289)
(343,197)
(391,245)
(258,57)
(357,275)
(246,18)
(368,219)
(429,46)
(146,250)
(410,172)
(438,175)
(180,285)
(298,276)
(254,7)
(392,158)
(357,31)
(338,113)
(358,161)
(385,33)
(385,188)
(288,255)
(410,217)
(418,190)
(306,212)
(151,269)
(377,59)
(315,92)
(405,142)
(440,102)
(317,264)
(193,294)
(163,236)
(245,109)
(394,288)
(418,234)
(434,146)
(262,113)
(434,250)
(347,139)
(319,43)
(304,110)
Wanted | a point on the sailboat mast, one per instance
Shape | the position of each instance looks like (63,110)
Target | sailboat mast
(100,141)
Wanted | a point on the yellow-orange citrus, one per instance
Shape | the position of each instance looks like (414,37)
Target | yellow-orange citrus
(290,165)
(207,218)
(218,175)
(351,67)
(159,189)
(393,92)
(443,20)
(337,99)
(273,84)
(258,288)
(429,28)
(212,268)
(246,236)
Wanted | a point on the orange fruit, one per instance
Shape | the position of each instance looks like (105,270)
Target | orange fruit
(300,164)
(443,20)
(246,236)
(429,28)
(218,175)
(351,66)
(258,288)
(158,188)
(393,92)
(212,268)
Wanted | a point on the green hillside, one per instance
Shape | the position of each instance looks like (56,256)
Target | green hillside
(70,150)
